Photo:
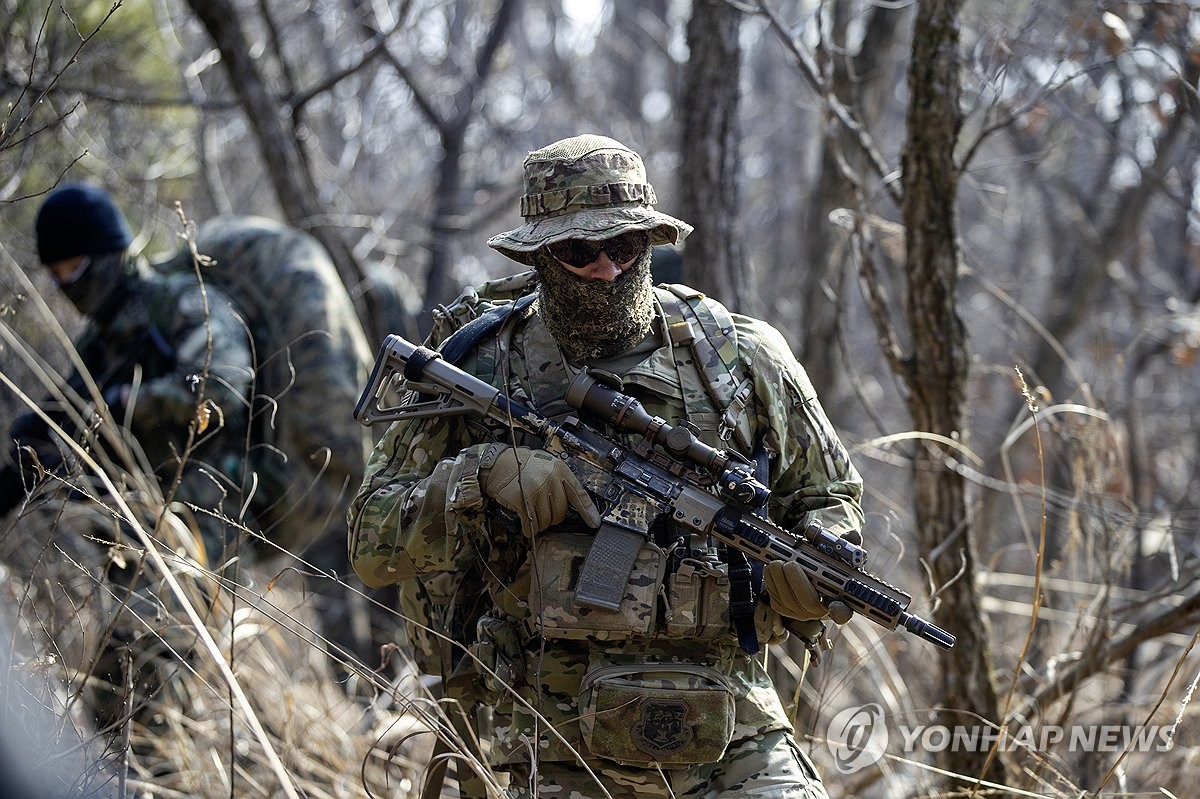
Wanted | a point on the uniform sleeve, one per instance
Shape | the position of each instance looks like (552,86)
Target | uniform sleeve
(191,335)
(812,477)
(420,509)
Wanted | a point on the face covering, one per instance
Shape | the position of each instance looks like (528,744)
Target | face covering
(97,291)
(595,319)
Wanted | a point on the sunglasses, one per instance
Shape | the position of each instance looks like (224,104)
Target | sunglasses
(621,249)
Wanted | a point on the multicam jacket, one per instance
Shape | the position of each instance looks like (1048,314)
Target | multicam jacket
(421,517)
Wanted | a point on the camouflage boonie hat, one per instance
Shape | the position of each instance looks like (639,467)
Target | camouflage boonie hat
(586,187)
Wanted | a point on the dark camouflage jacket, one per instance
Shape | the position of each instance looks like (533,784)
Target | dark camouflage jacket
(163,338)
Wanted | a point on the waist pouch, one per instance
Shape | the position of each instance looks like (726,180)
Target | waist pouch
(671,714)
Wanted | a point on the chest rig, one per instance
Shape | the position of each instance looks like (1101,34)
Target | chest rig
(717,391)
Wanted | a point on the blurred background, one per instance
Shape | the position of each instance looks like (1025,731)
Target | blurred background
(975,222)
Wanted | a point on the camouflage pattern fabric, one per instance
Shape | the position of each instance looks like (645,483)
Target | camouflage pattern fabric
(589,187)
(311,357)
(765,765)
(175,333)
(421,513)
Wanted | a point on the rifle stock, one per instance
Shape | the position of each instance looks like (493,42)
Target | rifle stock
(670,472)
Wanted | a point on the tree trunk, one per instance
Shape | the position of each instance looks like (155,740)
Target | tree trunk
(936,373)
(281,152)
(708,183)
(446,223)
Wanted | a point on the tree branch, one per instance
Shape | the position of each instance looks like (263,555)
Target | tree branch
(808,69)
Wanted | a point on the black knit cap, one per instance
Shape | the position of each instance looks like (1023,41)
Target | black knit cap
(78,219)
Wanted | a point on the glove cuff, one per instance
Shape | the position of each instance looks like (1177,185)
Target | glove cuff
(487,459)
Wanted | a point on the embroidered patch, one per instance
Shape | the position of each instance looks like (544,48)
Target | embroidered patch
(662,727)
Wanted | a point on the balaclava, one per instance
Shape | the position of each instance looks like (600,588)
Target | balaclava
(80,219)
(103,286)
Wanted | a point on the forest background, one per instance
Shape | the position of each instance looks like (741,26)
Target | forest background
(976,223)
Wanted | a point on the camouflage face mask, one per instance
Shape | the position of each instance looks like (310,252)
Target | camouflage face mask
(592,319)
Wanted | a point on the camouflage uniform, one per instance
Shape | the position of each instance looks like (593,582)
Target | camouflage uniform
(422,517)
(271,456)
(166,332)
(310,355)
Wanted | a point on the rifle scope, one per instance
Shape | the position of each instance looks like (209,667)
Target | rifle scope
(588,395)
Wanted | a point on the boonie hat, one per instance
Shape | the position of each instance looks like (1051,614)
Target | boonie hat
(585,187)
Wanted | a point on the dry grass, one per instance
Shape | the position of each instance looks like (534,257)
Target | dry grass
(136,669)
(206,686)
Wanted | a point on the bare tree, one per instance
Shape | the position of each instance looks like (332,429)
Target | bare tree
(451,118)
(843,179)
(708,175)
(281,148)
(936,370)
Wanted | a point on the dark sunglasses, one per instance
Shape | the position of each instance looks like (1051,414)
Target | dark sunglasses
(621,249)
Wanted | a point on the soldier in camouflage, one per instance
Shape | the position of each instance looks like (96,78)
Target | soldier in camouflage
(171,359)
(661,697)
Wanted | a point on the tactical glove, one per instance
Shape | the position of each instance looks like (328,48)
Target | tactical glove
(538,488)
(791,592)
(772,628)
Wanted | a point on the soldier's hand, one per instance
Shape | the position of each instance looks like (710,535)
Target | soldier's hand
(538,488)
(773,628)
(792,594)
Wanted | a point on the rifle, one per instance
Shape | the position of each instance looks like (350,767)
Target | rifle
(670,472)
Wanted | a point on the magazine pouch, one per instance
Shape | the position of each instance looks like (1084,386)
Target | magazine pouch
(558,558)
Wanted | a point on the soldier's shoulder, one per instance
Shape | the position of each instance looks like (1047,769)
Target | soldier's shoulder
(179,297)
(770,356)
(751,333)
(478,300)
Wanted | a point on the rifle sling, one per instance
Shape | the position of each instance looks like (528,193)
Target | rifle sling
(464,340)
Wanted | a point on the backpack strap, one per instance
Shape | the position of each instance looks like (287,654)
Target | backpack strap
(706,327)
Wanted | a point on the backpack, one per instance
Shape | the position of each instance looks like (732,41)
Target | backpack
(311,357)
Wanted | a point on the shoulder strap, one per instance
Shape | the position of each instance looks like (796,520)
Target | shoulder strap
(706,326)
(464,340)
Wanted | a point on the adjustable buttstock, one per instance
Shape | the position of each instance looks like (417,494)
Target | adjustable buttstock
(385,375)
(426,384)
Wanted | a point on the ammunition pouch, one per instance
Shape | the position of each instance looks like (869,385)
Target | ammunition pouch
(698,600)
(499,658)
(558,559)
(671,714)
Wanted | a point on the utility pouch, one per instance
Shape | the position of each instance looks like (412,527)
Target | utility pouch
(500,659)
(698,599)
(671,714)
(557,562)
